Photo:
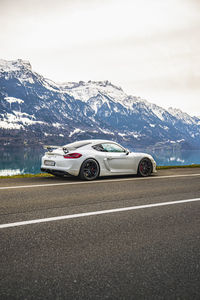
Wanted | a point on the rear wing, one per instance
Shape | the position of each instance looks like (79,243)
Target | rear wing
(51,148)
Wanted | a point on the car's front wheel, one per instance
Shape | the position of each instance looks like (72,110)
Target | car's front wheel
(89,169)
(145,167)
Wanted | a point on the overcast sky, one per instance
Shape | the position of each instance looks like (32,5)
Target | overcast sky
(151,48)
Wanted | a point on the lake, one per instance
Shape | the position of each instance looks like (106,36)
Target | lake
(16,160)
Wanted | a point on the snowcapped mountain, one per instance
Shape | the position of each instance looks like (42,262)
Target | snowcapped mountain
(34,109)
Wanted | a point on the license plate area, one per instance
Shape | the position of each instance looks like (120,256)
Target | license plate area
(49,163)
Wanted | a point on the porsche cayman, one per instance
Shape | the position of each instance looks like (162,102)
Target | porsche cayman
(90,159)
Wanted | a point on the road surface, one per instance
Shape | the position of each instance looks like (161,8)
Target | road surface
(116,238)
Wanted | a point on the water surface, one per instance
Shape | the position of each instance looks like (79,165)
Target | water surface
(23,160)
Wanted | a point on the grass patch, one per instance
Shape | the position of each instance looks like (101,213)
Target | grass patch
(27,175)
(177,167)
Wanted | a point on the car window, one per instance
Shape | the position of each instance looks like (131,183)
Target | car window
(99,148)
(112,148)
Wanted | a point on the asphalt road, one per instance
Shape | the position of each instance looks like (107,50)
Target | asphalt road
(98,250)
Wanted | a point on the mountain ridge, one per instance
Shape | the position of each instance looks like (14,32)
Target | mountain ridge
(37,109)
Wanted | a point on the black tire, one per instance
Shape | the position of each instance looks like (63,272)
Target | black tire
(89,170)
(145,167)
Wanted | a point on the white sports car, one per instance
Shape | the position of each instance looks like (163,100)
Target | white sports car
(90,159)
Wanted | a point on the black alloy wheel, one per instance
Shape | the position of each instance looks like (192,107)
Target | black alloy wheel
(89,169)
(145,167)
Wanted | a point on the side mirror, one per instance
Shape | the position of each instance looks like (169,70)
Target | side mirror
(127,152)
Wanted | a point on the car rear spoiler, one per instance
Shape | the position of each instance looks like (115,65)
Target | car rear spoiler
(51,148)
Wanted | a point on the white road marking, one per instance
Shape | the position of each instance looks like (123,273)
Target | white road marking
(94,213)
(96,181)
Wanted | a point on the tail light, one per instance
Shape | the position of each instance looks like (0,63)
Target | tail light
(73,155)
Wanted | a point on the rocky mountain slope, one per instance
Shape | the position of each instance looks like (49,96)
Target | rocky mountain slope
(34,109)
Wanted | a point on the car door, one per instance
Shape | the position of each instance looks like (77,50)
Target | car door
(117,160)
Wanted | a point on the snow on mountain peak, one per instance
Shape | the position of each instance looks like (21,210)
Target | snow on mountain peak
(14,65)
(87,90)
(181,115)
(20,68)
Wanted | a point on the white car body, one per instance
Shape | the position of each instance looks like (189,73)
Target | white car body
(110,163)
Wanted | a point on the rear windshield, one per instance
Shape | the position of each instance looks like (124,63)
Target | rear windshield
(77,145)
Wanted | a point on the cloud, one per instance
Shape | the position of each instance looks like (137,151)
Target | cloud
(147,46)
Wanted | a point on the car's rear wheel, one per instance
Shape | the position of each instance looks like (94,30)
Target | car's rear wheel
(145,167)
(89,169)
